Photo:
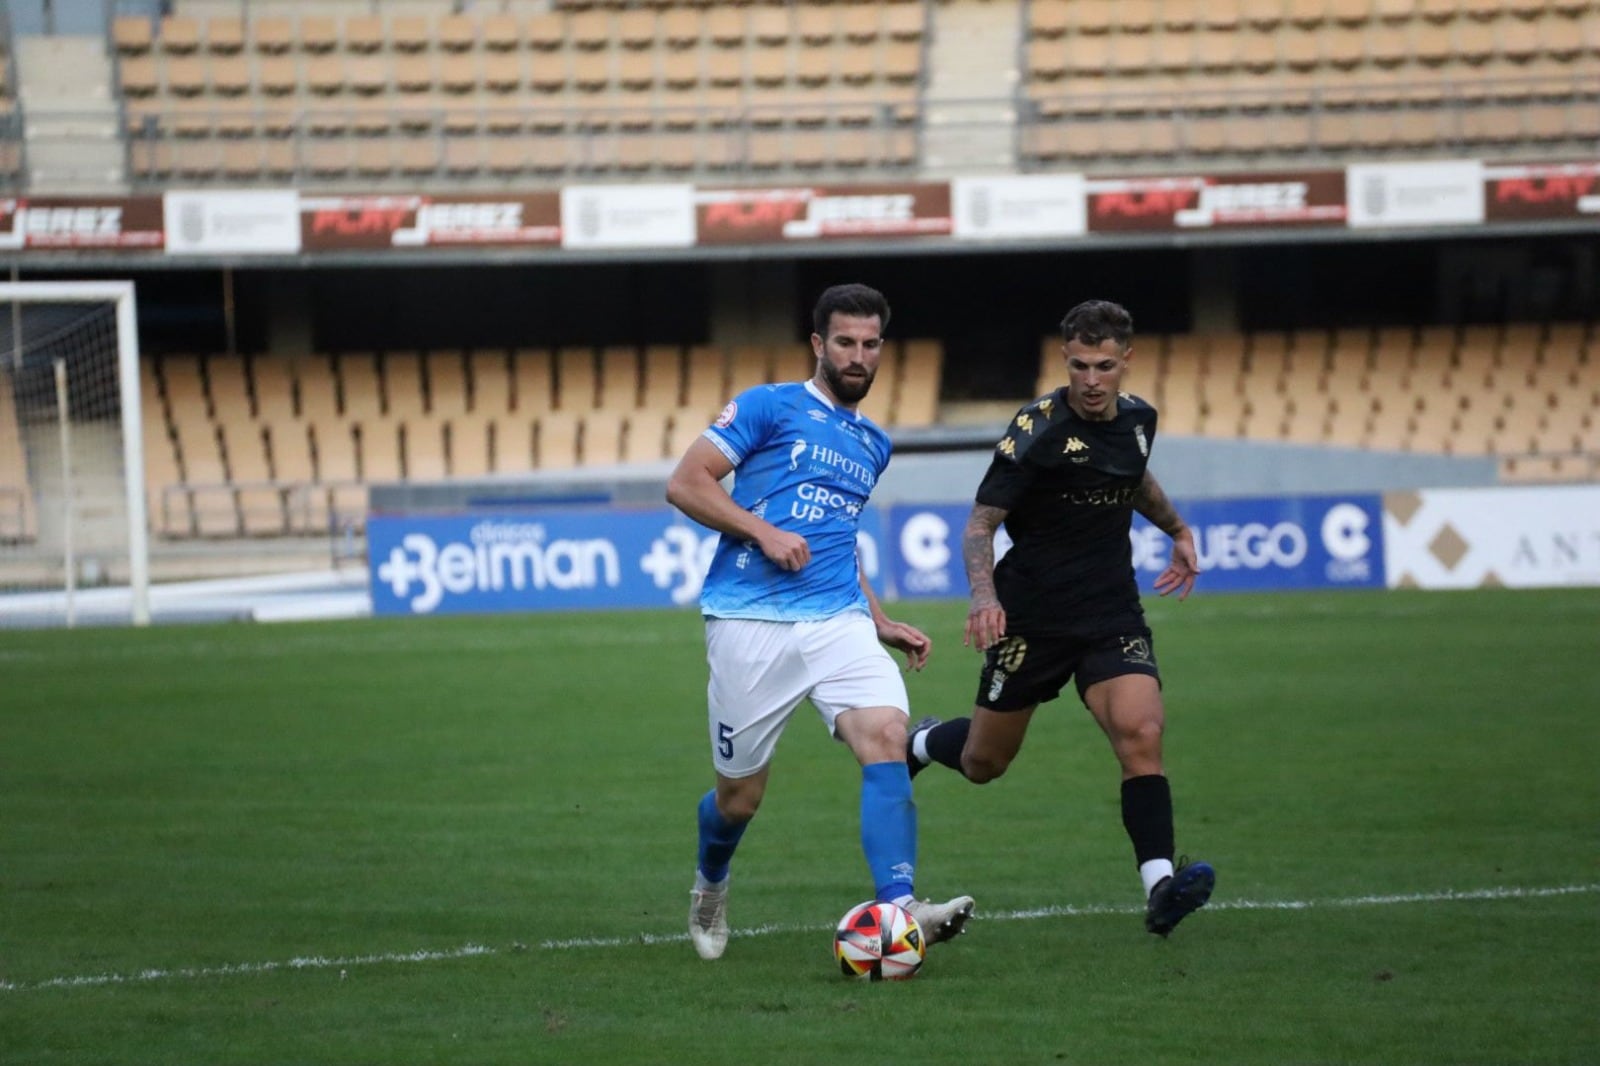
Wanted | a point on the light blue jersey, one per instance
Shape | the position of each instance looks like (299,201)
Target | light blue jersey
(807,466)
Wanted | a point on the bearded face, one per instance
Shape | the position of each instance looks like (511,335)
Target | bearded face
(850,384)
(847,359)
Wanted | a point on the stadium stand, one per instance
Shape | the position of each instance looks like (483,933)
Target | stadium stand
(527,94)
(513,95)
(348,95)
(228,452)
(1304,79)
(274,444)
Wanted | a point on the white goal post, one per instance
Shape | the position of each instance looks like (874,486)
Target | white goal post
(71,444)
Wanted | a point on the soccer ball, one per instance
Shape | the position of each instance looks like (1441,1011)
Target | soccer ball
(878,941)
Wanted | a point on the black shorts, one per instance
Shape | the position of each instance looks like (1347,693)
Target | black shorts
(1019,672)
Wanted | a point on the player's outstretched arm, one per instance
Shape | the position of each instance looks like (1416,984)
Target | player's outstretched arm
(695,488)
(1180,573)
(898,635)
(986,619)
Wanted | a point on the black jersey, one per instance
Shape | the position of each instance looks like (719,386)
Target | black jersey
(1067,485)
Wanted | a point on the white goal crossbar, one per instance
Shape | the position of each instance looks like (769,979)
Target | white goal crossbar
(119,293)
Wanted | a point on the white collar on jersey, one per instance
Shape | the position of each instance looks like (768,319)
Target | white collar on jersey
(811,387)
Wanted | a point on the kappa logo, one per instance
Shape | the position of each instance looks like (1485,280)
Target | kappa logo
(1045,407)
(1007,447)
(1025,423)
(1073,446)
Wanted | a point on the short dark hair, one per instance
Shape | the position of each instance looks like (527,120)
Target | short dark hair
(1093,322)
(860,301)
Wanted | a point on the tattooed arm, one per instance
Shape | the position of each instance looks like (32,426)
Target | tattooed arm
(1150,501)
(986,619)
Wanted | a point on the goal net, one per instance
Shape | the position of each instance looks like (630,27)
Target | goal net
(73,543)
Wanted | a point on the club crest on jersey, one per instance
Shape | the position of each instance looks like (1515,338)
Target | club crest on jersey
(725,419)
(1139,438)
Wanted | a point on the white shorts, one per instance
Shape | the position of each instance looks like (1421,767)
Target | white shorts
(760,671)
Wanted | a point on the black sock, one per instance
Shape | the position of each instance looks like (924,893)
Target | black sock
(1147,816)
(946,740)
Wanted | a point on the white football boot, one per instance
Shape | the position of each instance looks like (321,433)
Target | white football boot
(941,921)
(708,917)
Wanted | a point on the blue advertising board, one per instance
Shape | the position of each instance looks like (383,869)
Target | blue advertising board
(548,559)
(1255,544)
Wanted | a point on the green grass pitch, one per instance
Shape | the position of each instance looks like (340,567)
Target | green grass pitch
(471,840)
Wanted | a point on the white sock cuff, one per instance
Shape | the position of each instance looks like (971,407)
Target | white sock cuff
(1152,873)
(919,747)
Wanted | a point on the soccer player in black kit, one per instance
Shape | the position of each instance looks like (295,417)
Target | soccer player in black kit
(1063,603)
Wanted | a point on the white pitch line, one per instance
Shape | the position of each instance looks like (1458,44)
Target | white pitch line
(342,963)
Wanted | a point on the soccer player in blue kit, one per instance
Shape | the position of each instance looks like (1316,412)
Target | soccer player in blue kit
(790,615)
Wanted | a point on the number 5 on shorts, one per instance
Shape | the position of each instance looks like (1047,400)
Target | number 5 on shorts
(724,740)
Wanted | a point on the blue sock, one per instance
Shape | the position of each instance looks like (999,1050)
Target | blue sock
(889,828)
(718,838)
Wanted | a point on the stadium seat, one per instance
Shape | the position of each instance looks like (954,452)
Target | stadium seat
(533,382)
(259,501)
(749,365)
(662,381)
(360,386)
(379,441)
(318,34)
(619,379)
(363,33)
(179,35)
(556,443)
(705,381)
(1090,16)
(426,456)
(402,385)
(644,437)
(920,381)
(131,35)
(514,437)
(470,443)
(447,387)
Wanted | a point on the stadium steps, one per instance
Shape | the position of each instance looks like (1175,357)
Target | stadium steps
(70,115)
(969,122)
(99,502)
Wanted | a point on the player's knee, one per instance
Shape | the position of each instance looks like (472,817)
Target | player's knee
(982,767)
(1141,739)
(877,740)
(740,807)
(1148,732)
(739,804)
